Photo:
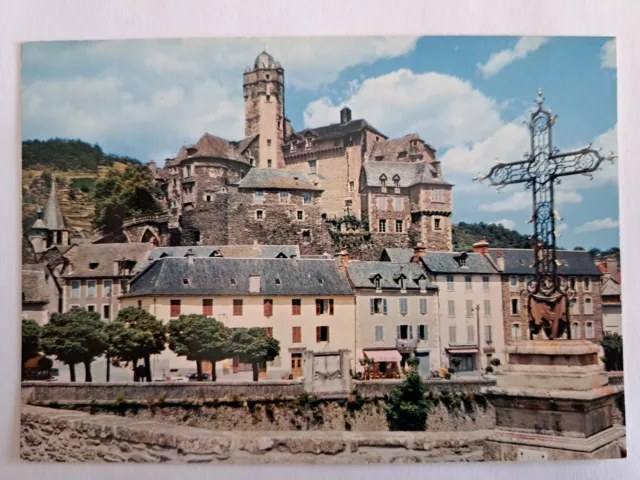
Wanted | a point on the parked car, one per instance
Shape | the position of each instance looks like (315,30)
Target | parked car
(204,377)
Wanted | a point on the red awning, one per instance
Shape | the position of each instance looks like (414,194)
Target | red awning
(462,350)
(379,356)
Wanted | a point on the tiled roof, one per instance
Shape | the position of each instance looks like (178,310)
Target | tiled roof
(397,255)
(269,178)
(245,142)
(34,283)
(52,214)
(363,274)
(445,262)
(227,251)
(28,252)
(336,130)
(84,257)
(212,146)
(230,276)
(520,261)
(609,286)
(390,149)
(410,173)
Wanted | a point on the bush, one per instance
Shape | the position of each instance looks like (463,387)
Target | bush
(612,346)
(495,362)
(456,362)
(407,407)
(489,369)
(452,370)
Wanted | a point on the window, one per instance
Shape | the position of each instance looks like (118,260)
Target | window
(322,334)
(185,282)
(587,285)
(91,288)
(399,224)
(296,334)
(268,98)
(450,282)
(485,283)
(378,306)
(404,307)
(574,307)
(268,307)
(300,215)
(588,306)
(313,167)
(423,332)
(269,163)
(437,224)
(106,312)
(91,308)
(487,307)
(423,306)
(468,283)
(404,332)
(348,205)
(207,306)
(451,308)
(575,330)
(124,286)
(352,186)
(208,198)
(379,333)
(572,282)
(259,214)
(469,305)
(139,304)
(232,282)
(284,197)
(437,196)
(515,331)
(515,306)
(308,143)
(382,203)
(258,197)
(92,265)
(324,307)
(471,334)
(75,289)
(268,142)
(396,181)
(376,282)
(175,307)
(398,204)
(382,226)
(308,198)
(513,284)
(306,236)
(383,182)
(589,332)
(487,334)
(237,307)
(452,335)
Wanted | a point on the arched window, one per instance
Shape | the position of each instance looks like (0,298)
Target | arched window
(575,330)
(383,181)
(588,306)
(396,180)
(589,330)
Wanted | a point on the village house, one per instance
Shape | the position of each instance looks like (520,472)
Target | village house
(306,304)
(40,287)
(396,316)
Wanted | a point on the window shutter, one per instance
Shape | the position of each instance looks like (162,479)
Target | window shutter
(317,334)
(384,306)
(410,332)
(426,332)
(373,306)
(318,307)
(331,306)
(398,331)
(328,339)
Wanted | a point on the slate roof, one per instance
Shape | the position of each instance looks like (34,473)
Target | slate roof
(362,274)
(34,283)
(410,173)
(445,262)
(609,286)
(397,255)
(212,276)
(28,252)
(269,178)
(245,142)
(390,149)
(212,146)
(337,130)
(519,262)
(227,251)
(52,214)
(104,254)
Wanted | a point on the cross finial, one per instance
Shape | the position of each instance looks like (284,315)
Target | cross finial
(540,98)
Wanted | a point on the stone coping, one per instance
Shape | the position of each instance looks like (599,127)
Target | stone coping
(243,383)
(555,394)
(568,370)
(552,347)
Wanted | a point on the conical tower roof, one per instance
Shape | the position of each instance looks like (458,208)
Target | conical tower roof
(52,215)
(39,223)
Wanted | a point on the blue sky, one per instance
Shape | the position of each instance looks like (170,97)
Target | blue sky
(467,96)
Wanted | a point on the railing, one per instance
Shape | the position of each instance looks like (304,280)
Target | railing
(406,344)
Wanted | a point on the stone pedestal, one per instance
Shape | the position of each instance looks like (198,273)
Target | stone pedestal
(552,402)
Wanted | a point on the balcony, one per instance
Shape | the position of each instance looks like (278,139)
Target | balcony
(189,179)
(406,345)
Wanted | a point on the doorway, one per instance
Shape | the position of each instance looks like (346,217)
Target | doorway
(296,365)
(423,366)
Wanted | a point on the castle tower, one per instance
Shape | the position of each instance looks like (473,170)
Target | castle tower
(58,233)
(263,88)
(39,233)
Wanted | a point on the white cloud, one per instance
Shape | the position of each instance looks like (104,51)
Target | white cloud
(443,109)
(602,224)
(499,60)
(523,200)
(561,227)
(506,223)
(608,54)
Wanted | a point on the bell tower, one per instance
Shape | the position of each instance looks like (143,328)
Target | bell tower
(263,87)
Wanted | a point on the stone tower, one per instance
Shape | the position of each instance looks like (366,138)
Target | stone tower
(263,88)
(39,233)
(49,228)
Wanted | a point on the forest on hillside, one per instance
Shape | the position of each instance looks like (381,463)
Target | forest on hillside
(466,234)
(66,155)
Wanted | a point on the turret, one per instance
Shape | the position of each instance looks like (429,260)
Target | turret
(39,233)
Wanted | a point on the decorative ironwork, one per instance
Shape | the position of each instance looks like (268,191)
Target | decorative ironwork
(542,168)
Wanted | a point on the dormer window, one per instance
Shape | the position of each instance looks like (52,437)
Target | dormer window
(216,253)
(232,282)
(383,181)
(401,280)
(278,282)
(185,282)
(462,260)
(379,158)
(396,180)
(402,154)
(292,147)
(164,255)
(321,281)
(93,265)
(308,143)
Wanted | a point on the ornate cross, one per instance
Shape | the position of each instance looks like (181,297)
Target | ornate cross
(540,170)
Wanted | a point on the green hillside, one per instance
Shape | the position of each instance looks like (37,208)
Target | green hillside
(466,234)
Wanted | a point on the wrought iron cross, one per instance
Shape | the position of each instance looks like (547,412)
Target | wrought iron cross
(540,170)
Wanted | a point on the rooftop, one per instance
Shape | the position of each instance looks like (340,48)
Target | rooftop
(268,178)
(364,274)
(337,130)
(228,251)
(210,146)
(408,174)
(457,262)
(396,148)
(34,283)
(95,260)
(572,262)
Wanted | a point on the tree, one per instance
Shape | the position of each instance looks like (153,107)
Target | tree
(200,338)
(146,336)
(579,249)
(31,333)
(122,194)
(121,343)
(612,346)
(252,345)
(75,337)
(407,407)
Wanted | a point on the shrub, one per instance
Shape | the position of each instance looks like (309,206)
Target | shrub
(612,346)
(495,362)
(455,361)
(489,369)
(452,370)
(407,407)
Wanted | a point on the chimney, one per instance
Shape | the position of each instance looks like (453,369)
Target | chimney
(481,247)
(418,251)
(190,254)
(500,260)
(342,260)
(345,115)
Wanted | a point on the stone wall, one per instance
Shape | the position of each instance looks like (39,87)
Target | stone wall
(63,436)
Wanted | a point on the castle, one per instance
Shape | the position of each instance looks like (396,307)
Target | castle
(344,185)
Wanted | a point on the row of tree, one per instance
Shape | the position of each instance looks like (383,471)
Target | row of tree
(79,337)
